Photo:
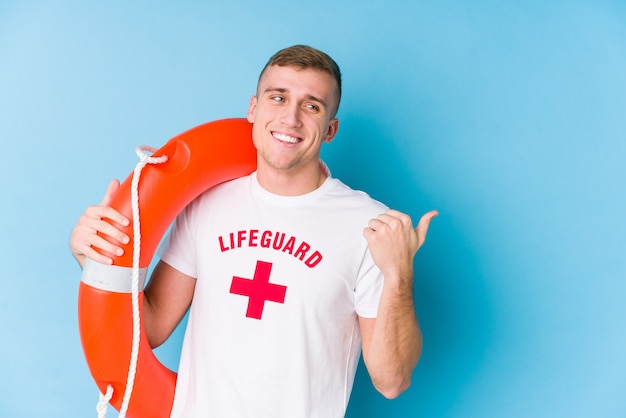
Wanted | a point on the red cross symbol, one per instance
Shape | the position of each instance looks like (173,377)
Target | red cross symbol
(258,290)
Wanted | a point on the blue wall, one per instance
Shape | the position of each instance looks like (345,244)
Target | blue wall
(509,117)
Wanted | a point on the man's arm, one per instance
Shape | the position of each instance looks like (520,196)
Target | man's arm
(169,292)
(392,342)
(167,297)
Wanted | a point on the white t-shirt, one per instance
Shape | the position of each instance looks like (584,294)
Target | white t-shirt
(273,330)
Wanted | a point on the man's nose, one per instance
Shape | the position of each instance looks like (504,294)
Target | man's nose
(291,115)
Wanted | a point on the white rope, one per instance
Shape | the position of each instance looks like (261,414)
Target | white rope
(324,168)
(104,402)
(144,159)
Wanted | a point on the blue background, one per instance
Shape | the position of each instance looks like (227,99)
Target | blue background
(508,117)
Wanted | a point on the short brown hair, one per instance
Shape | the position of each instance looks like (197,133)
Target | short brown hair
(303,57)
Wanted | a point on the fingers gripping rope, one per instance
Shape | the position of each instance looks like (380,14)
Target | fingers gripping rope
(144,159)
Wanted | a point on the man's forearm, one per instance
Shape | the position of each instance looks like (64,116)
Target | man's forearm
(396,341)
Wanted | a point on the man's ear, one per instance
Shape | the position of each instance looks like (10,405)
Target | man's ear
(333,127)
(252,109)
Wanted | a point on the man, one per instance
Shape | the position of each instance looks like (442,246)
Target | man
(336,268)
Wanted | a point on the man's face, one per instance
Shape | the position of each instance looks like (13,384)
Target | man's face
(292,115)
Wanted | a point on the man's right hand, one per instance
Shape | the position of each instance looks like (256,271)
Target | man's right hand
(84,238)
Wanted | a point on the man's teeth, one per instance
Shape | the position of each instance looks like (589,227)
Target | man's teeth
(285,138)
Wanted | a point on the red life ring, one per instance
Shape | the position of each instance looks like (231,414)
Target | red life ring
(198,159)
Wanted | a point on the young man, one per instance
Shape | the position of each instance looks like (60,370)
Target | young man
(336,266)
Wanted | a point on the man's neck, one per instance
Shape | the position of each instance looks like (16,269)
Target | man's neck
(290,182)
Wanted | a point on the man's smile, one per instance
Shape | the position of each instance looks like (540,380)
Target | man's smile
(285,138)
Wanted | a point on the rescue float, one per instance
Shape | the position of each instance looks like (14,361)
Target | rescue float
(110,298)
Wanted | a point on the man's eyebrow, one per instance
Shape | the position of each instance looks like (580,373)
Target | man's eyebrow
(271,89)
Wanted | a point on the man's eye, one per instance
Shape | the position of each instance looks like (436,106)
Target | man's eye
(278,99)
(313,107)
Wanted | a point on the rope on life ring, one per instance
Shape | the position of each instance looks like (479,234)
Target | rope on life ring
(197,160)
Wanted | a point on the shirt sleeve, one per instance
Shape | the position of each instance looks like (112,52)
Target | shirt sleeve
(369,287)
(178,248)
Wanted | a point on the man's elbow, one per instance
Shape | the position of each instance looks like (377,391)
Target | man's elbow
(391,390)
